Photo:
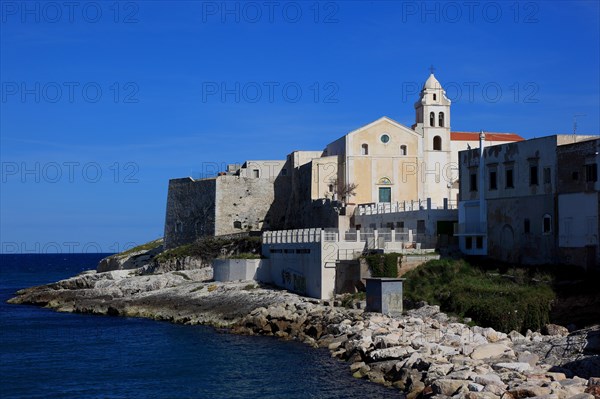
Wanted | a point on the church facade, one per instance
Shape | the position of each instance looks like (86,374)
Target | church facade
(381,163)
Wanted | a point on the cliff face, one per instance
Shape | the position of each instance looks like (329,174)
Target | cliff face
(144,261)
(132,259)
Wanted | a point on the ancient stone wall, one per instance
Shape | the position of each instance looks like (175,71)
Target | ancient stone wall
(244,204)
(190,210)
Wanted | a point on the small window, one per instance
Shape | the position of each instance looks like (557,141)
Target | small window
(493,180)
(526,226)
(509,179)
(437,143)
(256,173)
(385,138)
(364,149)
(468,242)
(575,175)
(533,175)
(399,225)
(331,188)
(284,172)
(431,119)
(441,119)
(237,224)
(403,150)
(479,242)
(473,182)
(434,97)
(591,172)
(547,224)
(547,176)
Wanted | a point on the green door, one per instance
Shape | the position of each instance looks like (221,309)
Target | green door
(385,194)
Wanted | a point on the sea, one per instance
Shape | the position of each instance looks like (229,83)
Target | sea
(47,354)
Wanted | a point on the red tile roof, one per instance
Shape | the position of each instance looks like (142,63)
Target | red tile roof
(489,136)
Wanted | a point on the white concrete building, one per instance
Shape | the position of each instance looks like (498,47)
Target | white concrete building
(512,199)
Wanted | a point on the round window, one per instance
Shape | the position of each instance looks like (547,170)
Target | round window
(385,138)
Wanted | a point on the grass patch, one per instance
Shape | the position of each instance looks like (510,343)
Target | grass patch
(517,301)
(243,255)
(144,247)
(250,287)
(209,248)
(384,265)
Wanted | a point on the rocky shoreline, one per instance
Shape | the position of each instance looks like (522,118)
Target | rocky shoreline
(424,353)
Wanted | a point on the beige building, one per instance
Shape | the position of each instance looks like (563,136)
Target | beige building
(388,164)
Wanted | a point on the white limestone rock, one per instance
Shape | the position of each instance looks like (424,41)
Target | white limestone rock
(521,367)
(491,351)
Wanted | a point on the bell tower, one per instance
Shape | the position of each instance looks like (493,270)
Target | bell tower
(433,124)
(433,111)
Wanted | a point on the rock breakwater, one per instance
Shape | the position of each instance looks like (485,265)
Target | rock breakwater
(427,354)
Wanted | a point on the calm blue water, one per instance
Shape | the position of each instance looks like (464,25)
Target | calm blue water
(45,354)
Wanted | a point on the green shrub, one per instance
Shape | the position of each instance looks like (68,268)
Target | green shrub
(383,265)
(209,248)
(243,255)
(496,301)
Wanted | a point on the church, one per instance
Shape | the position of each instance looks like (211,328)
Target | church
(383,165)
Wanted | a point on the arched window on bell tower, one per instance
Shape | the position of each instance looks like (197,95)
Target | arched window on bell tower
(434,97)
(431,119)
(441,119)
(437,143)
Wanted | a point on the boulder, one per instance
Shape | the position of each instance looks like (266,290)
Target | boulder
(516,366)
(491,351)
(475,387)
(583,396)
(529,391)
(556,376)
(448,387)
(481,395)
(555,329)
(396,352)
(593,390)
(516,336)
(489,379)
(527,357)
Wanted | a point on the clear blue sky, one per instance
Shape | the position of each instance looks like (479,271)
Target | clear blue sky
(103,102)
